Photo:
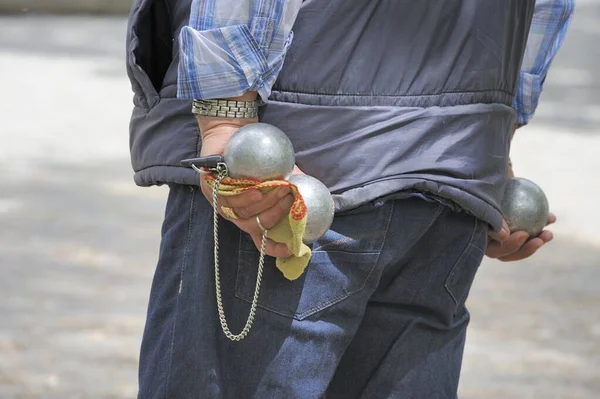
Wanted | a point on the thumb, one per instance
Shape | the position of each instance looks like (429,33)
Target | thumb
(501,235)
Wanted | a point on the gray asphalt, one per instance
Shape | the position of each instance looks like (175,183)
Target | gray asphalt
(78,240)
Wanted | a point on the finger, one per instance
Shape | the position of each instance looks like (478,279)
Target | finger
(208,195)
(551,218)
(242,200)
(501,235)
(496,249)
(268,218)
(530,248)
(546,236)
(273,215)
(274,249)
(269,200)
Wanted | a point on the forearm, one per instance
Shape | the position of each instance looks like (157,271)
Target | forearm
(210,125)
(233,50)
(548,29)
(232,47)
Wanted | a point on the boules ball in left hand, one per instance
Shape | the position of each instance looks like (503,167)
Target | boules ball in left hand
(319,205)
(259,151)
(525,206)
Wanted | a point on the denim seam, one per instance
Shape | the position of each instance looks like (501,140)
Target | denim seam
(477,248)
(318,308)
(462,255)
(339,298)
(440,208)
(387,229)
(179,289)
(346,294)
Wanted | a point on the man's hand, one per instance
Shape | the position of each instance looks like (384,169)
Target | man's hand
(508,247)
(271,207)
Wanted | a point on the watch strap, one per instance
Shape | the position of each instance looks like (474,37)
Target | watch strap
(225,108)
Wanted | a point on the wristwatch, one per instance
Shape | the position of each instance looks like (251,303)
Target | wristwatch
(226,108)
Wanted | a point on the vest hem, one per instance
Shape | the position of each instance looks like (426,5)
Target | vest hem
(443,99)
(456,198)
(165,174)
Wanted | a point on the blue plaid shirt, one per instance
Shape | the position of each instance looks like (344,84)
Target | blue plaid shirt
(234,46)
(548,29)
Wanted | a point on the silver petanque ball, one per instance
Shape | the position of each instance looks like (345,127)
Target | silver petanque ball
(259,151)
(319,205)
(525,206)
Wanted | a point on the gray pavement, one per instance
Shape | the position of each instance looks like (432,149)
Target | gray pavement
(66,6)
(78,240)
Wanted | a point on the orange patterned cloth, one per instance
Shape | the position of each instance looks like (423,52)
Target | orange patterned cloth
(289,231)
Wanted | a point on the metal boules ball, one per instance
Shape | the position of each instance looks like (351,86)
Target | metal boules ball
(259,151)
(525,206)
(319,205)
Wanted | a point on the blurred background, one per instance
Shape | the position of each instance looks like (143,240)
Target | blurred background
(79,241)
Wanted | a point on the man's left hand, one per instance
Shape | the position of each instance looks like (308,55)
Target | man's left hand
(508,247)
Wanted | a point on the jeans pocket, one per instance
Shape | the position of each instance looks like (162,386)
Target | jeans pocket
(341,264)
(459,281)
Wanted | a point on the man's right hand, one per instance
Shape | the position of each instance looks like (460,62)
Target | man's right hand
(270,207)
(509,247)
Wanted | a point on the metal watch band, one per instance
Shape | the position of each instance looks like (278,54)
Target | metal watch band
(225,108)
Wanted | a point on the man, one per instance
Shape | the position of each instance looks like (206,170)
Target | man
(405,110)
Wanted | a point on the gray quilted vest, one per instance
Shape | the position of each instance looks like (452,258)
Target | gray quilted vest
(378,97)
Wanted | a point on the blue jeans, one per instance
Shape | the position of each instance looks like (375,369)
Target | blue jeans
(380,312)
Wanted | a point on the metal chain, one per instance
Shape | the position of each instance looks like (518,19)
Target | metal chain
(222,173)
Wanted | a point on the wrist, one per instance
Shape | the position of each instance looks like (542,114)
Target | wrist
(209,123)
(215,140)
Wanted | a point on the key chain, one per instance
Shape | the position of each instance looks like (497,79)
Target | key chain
(215,164)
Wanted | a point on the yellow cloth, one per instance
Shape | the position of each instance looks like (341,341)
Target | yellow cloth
(289,231)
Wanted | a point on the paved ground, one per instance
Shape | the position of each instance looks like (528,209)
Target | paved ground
(66,6)
(78,240)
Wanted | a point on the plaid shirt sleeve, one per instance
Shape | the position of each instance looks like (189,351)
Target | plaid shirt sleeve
(549,26)
(234,46)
